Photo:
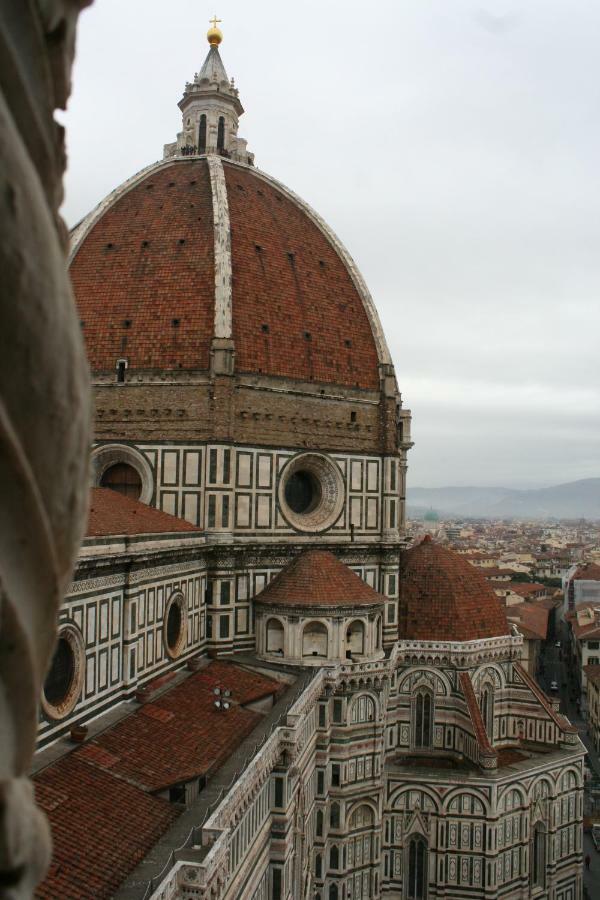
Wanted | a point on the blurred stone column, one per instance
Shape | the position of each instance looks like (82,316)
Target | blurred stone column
(44,406)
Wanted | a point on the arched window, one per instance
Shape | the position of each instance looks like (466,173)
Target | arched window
(486,704)
(123,479)
(221,134)
(333,892)
(423,719)
(274,637)
(362,817)
(538,856)
(202,134)
(379,632)
(314,640)
(334,815)
(318,866)
(319,825)
(334,857)
(355,638)
(417,868)
(363,709)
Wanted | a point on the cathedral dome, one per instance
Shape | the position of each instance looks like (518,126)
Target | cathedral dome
(444,598)
(198,248)
(318,578)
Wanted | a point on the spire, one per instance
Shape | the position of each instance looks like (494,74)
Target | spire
(211,109)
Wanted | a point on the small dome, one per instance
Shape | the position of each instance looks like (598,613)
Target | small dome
(444,598)
(317,578)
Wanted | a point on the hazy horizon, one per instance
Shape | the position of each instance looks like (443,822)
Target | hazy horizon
(453,148)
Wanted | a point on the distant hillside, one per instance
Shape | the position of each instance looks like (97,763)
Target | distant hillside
(577,499)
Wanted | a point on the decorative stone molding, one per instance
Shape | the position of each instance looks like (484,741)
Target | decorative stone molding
(73,638)
(107,455)
(223,267)
(327,502)
(44,406)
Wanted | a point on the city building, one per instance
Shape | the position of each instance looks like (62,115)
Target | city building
(259,691)
(581,584)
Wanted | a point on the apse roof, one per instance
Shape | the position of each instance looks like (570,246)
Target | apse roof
(318,578)
(444,598)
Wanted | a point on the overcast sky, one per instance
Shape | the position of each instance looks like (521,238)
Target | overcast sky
(453,145)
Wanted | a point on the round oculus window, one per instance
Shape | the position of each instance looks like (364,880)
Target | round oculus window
(65,677)
(174,626)
(311,492)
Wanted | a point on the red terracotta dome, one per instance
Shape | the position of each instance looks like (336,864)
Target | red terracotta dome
(194,248)
(318,578)
(444,598)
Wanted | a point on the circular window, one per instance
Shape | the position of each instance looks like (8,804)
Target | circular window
(65,677)
(311,492)
(174,626)
(124,479)
(123,468)
(302,492)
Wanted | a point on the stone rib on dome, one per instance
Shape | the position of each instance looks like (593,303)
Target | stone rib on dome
(143,272)
(444,598)
(318,578)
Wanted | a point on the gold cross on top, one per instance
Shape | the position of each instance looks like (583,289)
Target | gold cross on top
(214,21)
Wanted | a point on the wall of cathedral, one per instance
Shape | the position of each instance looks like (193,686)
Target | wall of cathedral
(331,807)
(119,632)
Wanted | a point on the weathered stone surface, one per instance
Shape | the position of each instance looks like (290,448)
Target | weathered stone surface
(44,404)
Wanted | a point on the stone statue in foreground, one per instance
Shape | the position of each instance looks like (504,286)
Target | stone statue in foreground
(44,405)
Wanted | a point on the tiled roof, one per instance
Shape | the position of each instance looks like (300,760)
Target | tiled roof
(560,720)
(593,674)
(587,572)
(102,827)
(584,627)
(444,598)
(112,513)
(297,286)
(140,747)
(144,282)
(318,578)
(132,268)
(524,589)
(531,619)
(98,798)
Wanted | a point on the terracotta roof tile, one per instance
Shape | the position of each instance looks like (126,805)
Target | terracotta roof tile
(112,513)
(103,817)
(318,578)
(288,276)
(133,268)
(101,828)
(148,263)
(444,598)
(184,717)
(587,572)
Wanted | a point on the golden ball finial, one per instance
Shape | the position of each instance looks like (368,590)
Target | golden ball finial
(214,35)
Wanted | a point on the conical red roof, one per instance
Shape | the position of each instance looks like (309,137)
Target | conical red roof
(444,598)
(318,578)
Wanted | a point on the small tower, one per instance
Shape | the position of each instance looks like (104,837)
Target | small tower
(211,108)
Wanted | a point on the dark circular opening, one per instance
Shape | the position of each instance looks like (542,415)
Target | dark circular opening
(124,479)
(62,672)
(173,626)
(302,492)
